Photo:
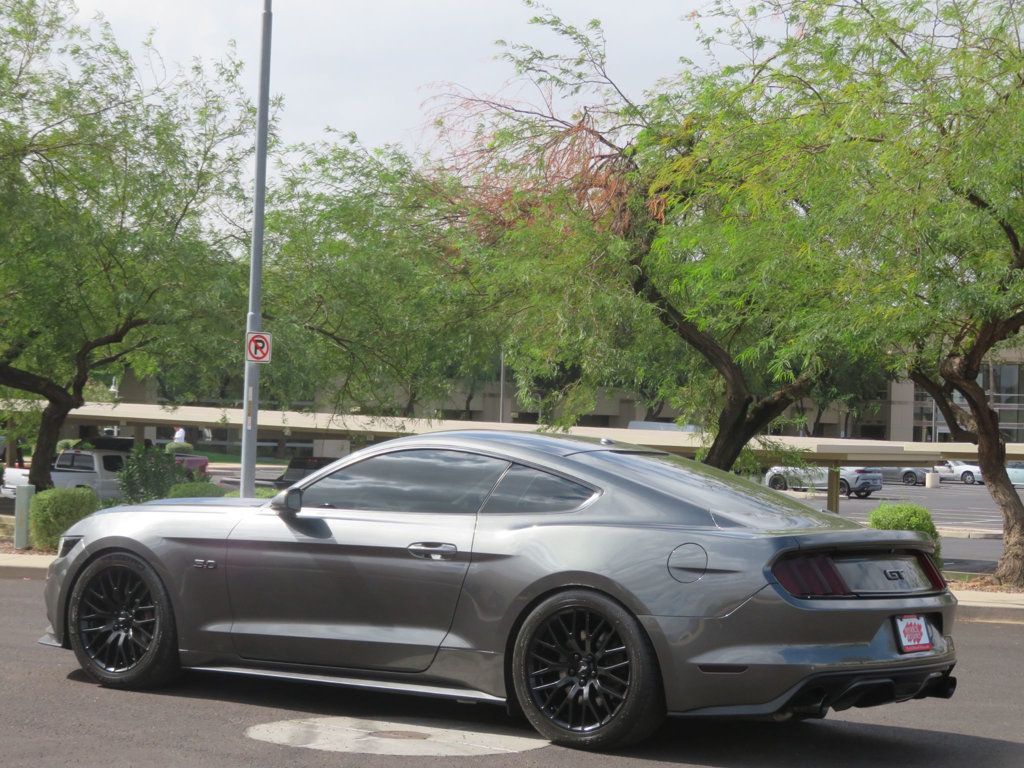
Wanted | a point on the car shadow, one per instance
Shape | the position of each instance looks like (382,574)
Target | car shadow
(834,743)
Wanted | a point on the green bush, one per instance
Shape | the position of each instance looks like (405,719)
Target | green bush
(149,474)
(261,493)
(194,490)
(179,448)
(54,511)
(66,444)
(906,517)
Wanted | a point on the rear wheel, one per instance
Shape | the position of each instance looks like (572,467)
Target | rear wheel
(778,482)
(967,478)
(862,494)
(585,673)
(121,623)
(909,478)
(844,488)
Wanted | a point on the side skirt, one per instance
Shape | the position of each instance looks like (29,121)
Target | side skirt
(392,686)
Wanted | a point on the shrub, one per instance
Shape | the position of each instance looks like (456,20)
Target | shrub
(149,474)
(66,444)
(195,490)
(261,493)
(55,510)
(179,448)
(906,517)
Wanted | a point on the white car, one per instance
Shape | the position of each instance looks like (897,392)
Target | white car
(957,470)
(853,481)
(75,469)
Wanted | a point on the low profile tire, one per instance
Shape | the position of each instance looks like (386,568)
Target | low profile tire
(121,624)
(967,478)
(585,673)
(844,488)
(909,478)
(778,482)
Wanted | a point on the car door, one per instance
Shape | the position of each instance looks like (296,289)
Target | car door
(367,575)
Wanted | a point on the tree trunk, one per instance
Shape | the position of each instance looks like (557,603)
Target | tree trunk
(46,443)
(992,461)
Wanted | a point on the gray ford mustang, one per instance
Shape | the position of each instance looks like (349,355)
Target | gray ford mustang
(594,586)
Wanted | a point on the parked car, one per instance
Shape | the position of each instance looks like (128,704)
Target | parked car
(76,469)
(905,475)
(96,469)
(853,481)
(966,473)
(597,585)
(1015,469)
(300,467)
(195,465)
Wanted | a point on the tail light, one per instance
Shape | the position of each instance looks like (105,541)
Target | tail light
(931,570)
(810,576)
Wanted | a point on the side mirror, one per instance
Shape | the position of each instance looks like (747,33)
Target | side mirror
(287,502)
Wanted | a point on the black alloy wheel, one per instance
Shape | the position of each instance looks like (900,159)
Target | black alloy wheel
(121,625)
(844,488)
(778,482)
(585,674)
(118,622)
(909,478)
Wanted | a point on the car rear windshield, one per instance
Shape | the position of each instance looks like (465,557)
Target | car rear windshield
(734,502)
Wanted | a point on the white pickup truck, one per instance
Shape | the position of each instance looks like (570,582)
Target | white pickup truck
(74,469)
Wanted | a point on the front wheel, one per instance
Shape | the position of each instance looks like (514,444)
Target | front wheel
(909,478)
(777,482)
(585,673)
(844,488)
(967,478)
(121,623)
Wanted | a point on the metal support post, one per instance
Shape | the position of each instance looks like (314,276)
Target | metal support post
(22,501)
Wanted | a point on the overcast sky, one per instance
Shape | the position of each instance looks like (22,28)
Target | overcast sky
(369,67)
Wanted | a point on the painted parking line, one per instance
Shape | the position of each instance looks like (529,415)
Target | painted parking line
(393,737)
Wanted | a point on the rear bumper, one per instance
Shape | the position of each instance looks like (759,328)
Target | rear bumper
(776,656)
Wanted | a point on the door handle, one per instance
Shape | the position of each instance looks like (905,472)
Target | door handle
(429,550)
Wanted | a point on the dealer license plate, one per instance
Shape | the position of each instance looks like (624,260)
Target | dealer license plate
(912,634)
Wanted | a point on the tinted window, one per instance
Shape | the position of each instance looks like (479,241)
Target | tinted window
(409,481)
(113,463)
(732,500)
(529,490)
(65,460)
(85,462)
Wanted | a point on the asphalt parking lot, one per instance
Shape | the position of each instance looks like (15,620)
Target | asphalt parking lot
(53,715)
(953,505)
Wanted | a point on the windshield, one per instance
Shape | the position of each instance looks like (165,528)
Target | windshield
(732,500)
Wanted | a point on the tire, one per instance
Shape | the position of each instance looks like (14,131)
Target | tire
(844,488)
(581,636)
(967,478)
(121,624)
(862,494)
(778,482)
(909,478)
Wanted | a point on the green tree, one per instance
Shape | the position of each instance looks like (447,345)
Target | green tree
(111,193)
(903,123)
(363,280)
(622,226)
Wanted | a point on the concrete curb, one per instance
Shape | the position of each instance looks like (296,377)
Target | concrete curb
(969,533)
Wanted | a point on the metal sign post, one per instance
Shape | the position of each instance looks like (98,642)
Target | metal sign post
(22,502)
(253,325)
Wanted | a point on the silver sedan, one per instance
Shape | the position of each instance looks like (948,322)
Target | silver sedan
(591,585)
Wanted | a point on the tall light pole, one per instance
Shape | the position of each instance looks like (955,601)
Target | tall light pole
(253,322)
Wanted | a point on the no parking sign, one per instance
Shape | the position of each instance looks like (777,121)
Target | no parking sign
(257,347)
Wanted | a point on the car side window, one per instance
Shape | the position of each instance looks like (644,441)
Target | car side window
(64,461)
(523,489)
(418,480)
(113,463)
